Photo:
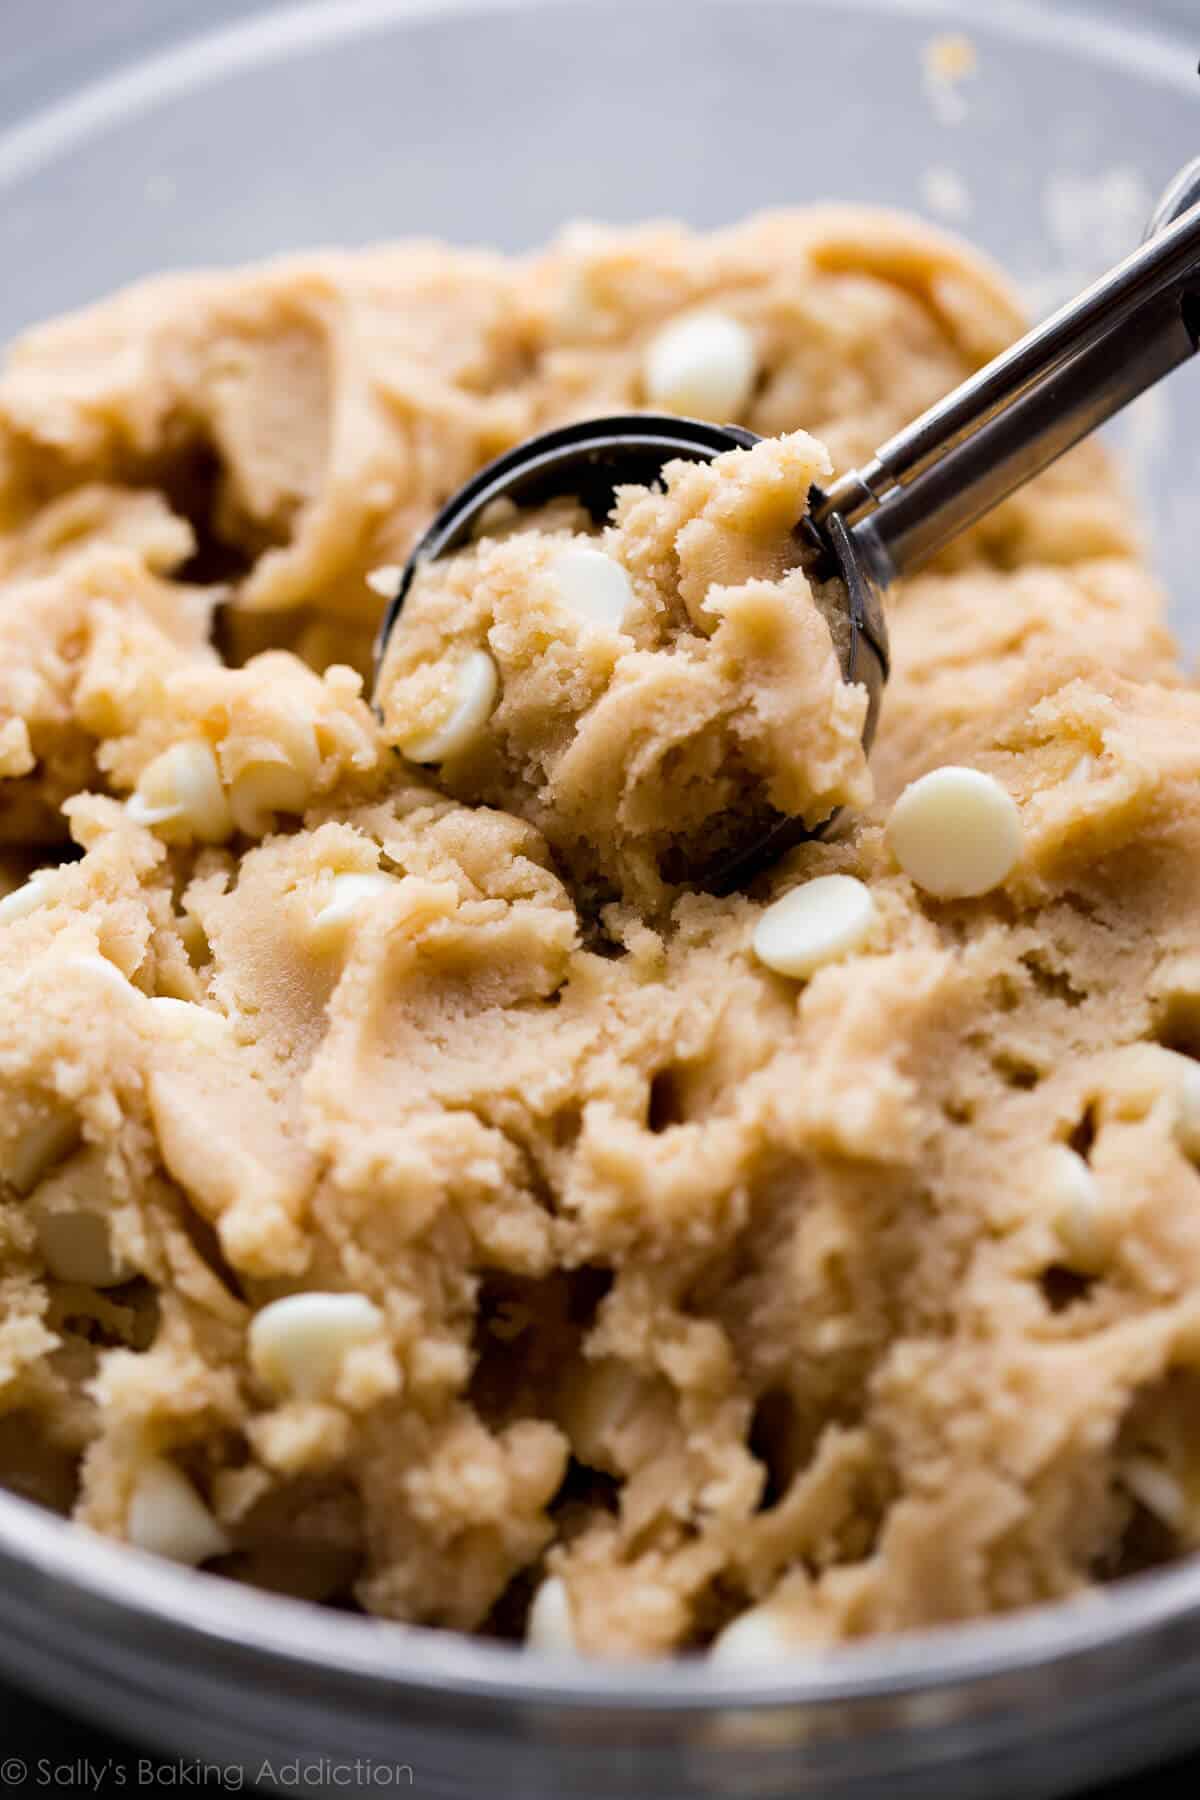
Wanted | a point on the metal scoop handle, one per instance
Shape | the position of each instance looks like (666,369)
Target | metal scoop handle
(1017,415)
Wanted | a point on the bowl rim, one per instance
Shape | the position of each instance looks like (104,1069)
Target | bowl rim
(142,1595)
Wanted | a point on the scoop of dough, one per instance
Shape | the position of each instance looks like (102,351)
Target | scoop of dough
(650,694)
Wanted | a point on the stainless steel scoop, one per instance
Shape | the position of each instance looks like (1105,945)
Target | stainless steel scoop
(924,486)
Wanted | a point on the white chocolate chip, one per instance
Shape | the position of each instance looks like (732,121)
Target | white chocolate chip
(278,784)
(23,900)
(549,1625)
(475,688)
(168,1518)
(180,794)
(184,1022)
(1077,1209)
(755,1637)
(495,518)
(813,924)
(1156,1488)
(350,896)
(279,776)
(703,365)
(1151,1482)
(297,1345)
(594,586)
(956,832)
(68,1210)
(40,1147)
(385,580)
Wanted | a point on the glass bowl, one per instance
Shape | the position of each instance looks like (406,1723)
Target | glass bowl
(132,145)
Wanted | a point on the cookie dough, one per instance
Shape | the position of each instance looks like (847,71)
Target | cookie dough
(411,1195)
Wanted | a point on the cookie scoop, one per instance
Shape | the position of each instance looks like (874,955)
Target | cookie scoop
(930,482)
